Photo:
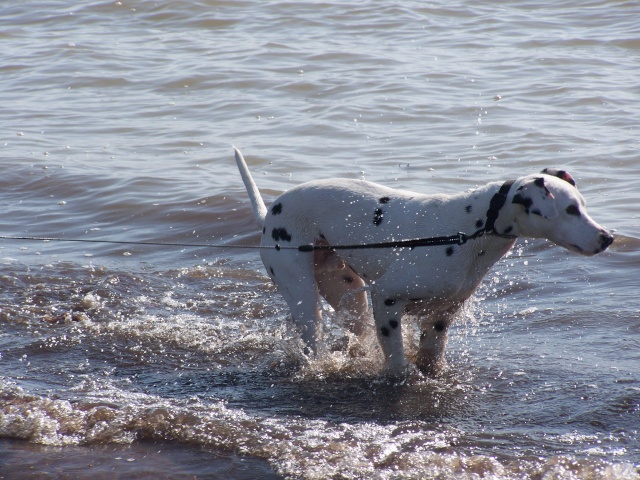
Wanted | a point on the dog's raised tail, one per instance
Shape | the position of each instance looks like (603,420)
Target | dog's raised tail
(259,208)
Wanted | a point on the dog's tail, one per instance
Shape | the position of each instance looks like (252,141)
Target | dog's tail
(259,208)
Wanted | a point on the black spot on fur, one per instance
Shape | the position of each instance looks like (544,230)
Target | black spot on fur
(573,210)
(280,234)
(272,272)
(524,201)
(389,301)
(348,279)
(450,251)
(384,200)
(276,209)
(377,216)
(393,323)
(468,208)
(479,223)
(384,331)
(439,326)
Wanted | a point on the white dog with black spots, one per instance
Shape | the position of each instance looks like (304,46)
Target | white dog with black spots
(431,282)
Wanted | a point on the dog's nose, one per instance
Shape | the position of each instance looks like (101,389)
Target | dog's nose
(606,239)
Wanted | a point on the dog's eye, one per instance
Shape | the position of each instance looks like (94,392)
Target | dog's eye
(573,210)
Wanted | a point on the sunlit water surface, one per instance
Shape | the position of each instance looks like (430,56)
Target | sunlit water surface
(122,360)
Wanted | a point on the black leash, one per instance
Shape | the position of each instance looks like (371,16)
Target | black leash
(125,242)
(497,202)
(458,239)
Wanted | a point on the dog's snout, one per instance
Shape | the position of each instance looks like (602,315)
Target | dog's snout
(606,239)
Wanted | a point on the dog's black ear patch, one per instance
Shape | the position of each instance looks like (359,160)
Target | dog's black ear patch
(539,182)
(562,174)
(526,202)
(384,200)
(280,234)
(468,208)
(377,216)
(276,209)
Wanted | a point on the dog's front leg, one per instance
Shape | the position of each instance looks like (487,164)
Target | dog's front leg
(387,313)
(433,339)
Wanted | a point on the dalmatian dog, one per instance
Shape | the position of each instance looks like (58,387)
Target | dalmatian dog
(301,226)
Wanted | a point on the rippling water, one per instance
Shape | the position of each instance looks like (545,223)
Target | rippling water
(123,360)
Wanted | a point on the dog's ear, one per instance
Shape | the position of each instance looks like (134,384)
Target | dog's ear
(562,174)
(536,199)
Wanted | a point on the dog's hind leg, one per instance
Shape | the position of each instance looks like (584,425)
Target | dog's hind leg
(342,288)
(292,272)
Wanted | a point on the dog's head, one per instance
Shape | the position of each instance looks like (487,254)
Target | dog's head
(548,205)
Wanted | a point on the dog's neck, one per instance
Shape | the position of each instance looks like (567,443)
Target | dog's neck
(494,224)
(496,204)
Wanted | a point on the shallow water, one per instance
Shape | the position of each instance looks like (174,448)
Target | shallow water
(119,119)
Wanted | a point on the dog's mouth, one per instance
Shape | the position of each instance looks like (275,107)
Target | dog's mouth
(591,246)
(577,249)
(604,244)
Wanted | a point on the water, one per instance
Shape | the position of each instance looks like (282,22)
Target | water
(123,360)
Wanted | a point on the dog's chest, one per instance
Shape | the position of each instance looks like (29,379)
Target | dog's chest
(451,272)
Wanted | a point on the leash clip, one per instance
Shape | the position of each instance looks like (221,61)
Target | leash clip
(462,238)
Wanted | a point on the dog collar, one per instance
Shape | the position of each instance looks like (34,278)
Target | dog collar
(496,203)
